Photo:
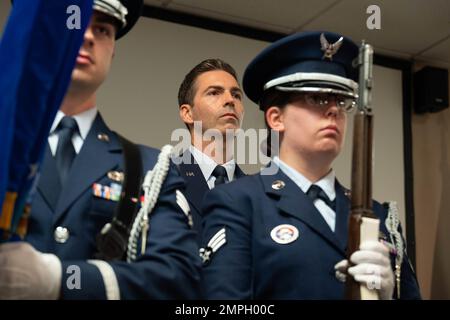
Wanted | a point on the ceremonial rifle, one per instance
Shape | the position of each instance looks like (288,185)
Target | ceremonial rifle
(363,224)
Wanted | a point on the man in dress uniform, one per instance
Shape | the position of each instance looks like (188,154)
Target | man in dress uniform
(284,235)
(209,95)
(79,188)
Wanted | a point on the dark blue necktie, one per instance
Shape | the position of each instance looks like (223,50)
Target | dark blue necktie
(221,175)
(65,152)
(316,192)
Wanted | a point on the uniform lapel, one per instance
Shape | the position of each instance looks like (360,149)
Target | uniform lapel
(342,215)
(49,185)
(238,173)
(196,185)
(96,158)
(292,200)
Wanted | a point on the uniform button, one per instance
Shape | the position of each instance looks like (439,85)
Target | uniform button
(61,234)
(278,184)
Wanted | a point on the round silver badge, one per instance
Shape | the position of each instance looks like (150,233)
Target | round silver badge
(284,234)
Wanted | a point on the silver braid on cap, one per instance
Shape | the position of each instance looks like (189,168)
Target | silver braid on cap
(112,8)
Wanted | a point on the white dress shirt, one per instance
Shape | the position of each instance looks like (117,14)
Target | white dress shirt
(84,121)
(207,166)
(327,184)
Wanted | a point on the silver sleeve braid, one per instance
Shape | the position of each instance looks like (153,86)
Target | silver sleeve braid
(152,186)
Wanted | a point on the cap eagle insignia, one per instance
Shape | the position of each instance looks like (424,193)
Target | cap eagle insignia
(330,49)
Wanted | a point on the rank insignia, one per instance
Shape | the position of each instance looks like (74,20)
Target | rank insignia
(214,244)
(184,205)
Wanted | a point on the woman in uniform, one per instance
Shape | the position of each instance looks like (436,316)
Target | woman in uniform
(284,235)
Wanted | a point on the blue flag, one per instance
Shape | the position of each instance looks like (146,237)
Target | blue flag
(38,52)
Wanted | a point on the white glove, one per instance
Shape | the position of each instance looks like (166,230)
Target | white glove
(28,274)
(372,267)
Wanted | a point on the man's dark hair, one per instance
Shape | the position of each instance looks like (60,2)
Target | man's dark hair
(187,89)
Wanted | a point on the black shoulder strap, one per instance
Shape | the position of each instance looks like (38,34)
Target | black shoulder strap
(113,239)
(127,208)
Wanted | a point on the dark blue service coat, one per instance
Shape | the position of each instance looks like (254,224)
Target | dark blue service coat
(197,187)
(252,265)
(170,267)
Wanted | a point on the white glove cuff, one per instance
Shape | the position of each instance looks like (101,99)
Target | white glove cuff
(55,268)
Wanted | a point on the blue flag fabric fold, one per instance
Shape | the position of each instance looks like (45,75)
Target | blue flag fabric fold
(38,51)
